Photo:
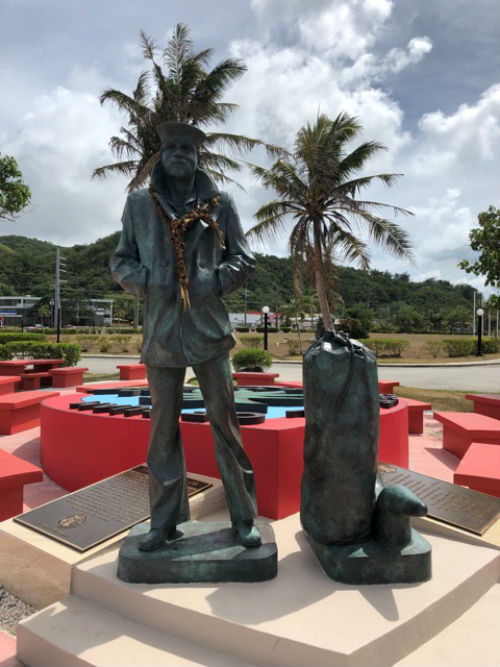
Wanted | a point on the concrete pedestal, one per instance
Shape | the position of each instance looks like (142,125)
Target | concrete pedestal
(300,617)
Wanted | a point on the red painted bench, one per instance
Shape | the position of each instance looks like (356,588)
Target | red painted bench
(132,371)
(387,386)
(21,411)
(8,383)
(486,404)
(30,381)
(480,469)
(246,378)
(14,474)
(67,376)
(460,429)
(415,414)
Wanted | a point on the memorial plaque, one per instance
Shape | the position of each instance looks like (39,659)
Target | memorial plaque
(469,510)
(85,518)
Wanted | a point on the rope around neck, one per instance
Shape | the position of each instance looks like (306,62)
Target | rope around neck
(177,227)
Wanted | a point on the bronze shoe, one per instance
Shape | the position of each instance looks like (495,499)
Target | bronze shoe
(156,538)
(247,534)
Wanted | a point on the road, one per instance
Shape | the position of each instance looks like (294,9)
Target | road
(473,377)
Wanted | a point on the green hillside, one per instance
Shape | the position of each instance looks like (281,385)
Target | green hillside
(392,300)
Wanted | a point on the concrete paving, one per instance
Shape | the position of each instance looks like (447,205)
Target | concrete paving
(476,377)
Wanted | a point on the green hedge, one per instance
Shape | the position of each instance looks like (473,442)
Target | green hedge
(388,347)
(33,350)
(251,360)
(123,330)
(490,345)
(466,347)
(269,329)
(460,347)
(243,329)
(11,337)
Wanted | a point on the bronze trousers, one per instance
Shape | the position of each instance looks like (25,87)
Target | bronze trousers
(167,470)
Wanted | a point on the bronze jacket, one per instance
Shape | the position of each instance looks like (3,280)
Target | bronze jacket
(144,264)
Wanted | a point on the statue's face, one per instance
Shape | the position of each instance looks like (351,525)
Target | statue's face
(179,159)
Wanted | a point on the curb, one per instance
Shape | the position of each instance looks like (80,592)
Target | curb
(492,362)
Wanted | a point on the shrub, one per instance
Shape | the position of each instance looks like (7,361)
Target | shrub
(490,345)
(122,341)
(87,341)
(243,329)
(11,337)
(104,344)
(252,341)
(459,347)
(286,329)
(433,347)
(293,347)
(252,360)
(354,328)
(388,347)
(269,329)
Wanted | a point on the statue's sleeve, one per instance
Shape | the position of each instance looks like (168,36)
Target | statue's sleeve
(238,260)
(125,263)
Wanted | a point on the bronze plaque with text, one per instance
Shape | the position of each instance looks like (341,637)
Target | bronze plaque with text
(85,518)
(469,510)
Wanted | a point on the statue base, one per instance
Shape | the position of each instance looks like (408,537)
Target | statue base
(372,562)
(204,551)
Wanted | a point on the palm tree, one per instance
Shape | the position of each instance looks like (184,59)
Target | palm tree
(182,92)
(316,189)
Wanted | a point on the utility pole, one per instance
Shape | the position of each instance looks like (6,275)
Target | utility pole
(57,294)
(57,298)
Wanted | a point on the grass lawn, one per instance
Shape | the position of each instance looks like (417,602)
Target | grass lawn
(279,346)
(440,399)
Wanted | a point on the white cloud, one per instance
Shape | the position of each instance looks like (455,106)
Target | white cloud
(433,274)
(342,29)
(468,136)
(59,143)
(418,47)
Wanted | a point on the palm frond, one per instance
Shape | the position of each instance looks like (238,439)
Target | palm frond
(125,168)
(143,173)
(366,205)
(357,158)
(218,160)
(124,102)
(389,234)
(269,227)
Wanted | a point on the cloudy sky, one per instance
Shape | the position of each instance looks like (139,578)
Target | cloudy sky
(421,75)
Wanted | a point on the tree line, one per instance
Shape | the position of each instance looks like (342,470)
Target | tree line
(380,300)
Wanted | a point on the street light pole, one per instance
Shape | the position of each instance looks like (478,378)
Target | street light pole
(265,310)
(480,313)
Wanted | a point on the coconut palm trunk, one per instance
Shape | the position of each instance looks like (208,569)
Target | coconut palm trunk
(319,279)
